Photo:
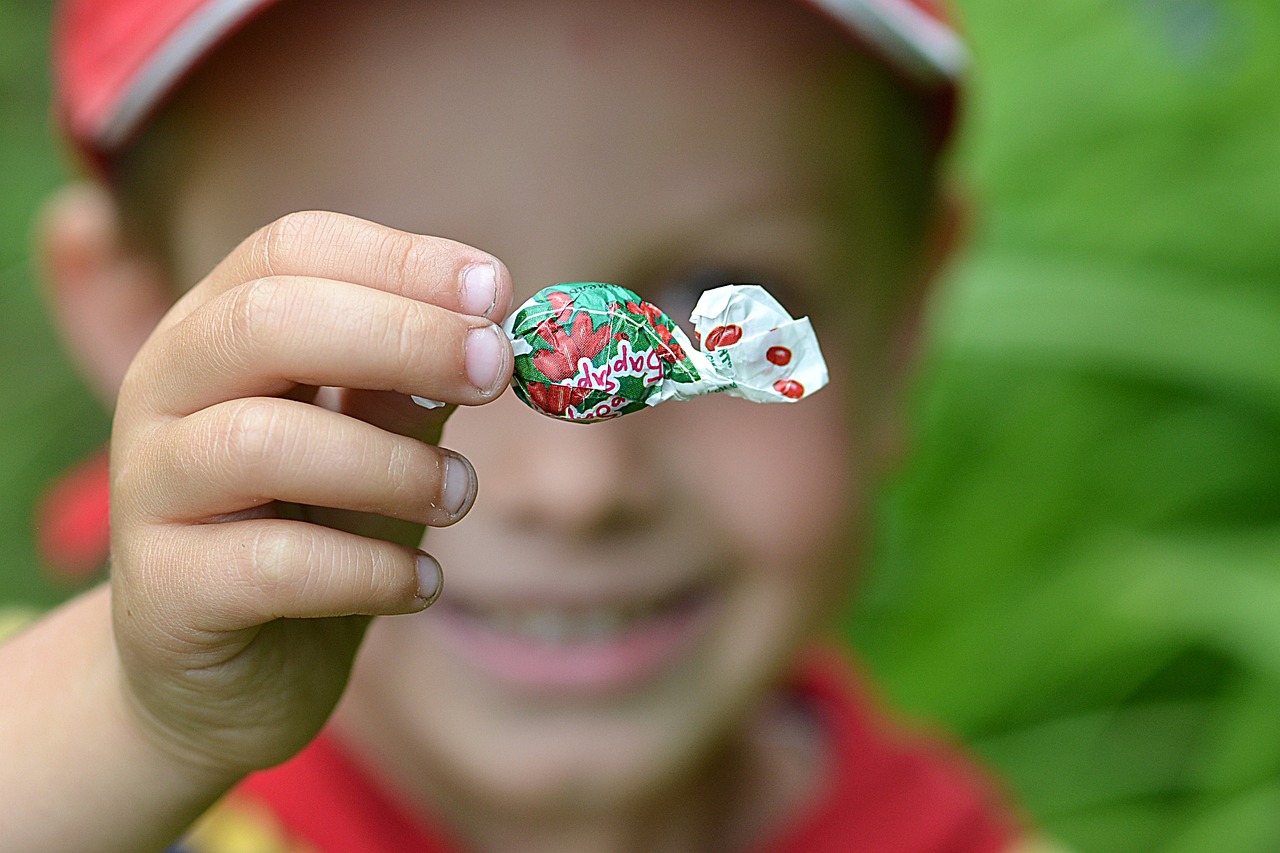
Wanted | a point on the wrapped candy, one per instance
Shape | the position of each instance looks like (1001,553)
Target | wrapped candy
(591,351)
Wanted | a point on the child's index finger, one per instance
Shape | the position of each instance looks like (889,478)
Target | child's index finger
(335,246)
(264,337)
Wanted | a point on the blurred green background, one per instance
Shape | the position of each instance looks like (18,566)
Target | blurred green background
(1078,567)
(47,419)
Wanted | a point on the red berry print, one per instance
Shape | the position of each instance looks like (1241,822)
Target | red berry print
(723,336)
(779,355)
(789,388)
(561,362)
(555,400)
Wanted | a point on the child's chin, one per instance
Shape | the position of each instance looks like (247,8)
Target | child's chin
(594,773)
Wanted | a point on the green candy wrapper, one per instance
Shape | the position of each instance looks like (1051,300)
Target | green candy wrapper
(592,351)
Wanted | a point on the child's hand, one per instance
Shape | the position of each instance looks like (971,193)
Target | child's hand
(251,498)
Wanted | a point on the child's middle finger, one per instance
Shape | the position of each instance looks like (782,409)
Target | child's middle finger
(245,453)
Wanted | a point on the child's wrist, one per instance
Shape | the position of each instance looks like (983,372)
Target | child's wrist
(160,751)
(87,747)
(171,787)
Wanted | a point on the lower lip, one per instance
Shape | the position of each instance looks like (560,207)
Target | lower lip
(622,662)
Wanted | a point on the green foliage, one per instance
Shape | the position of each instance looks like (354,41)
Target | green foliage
(1079,568)
(47,420)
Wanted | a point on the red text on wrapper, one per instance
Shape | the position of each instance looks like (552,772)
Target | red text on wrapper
(628,362)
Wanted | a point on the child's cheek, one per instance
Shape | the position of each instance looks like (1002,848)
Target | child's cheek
(779,479)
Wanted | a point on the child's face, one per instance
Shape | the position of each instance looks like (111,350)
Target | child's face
(622,595)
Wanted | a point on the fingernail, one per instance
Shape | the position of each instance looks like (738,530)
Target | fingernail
(484,357)
(459,485)
(430,578)
(479,289)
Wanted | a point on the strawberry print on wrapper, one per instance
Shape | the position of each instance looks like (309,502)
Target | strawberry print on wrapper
(592,351)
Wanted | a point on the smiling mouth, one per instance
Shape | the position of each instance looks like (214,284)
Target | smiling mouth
(580,648)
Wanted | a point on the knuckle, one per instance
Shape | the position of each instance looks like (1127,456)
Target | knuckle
(248,433)
(391,579)
(286,237)
(134,552)
(126,484)
(252,310)
(413,342)
(401,460)
(404,585)
(405,260)
(273,561)
(148,566)
(404,464)
(142,476)
(130,385)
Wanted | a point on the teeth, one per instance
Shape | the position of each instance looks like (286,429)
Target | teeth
(556,627)
(604,624)
(546,627)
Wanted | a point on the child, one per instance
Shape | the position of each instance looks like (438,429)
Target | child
(624,657)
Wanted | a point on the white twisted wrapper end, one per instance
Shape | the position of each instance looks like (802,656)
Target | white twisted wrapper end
(774,358)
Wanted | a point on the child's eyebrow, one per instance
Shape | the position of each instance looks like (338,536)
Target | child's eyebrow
(805,213)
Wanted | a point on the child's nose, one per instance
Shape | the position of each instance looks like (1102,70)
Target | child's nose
(580,480)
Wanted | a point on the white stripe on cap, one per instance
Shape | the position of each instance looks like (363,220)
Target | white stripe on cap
(921,45)
(171,60)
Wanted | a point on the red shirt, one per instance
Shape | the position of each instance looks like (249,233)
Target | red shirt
(891,791)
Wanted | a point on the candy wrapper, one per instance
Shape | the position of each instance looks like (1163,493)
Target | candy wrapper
(592,351)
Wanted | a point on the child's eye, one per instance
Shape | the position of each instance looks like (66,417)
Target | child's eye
(677,293)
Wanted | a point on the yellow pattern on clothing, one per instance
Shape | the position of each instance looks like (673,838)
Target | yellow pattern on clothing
(236,826)
(14,619)
(1038,845)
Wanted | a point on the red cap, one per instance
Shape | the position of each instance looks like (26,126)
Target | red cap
(115,61)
